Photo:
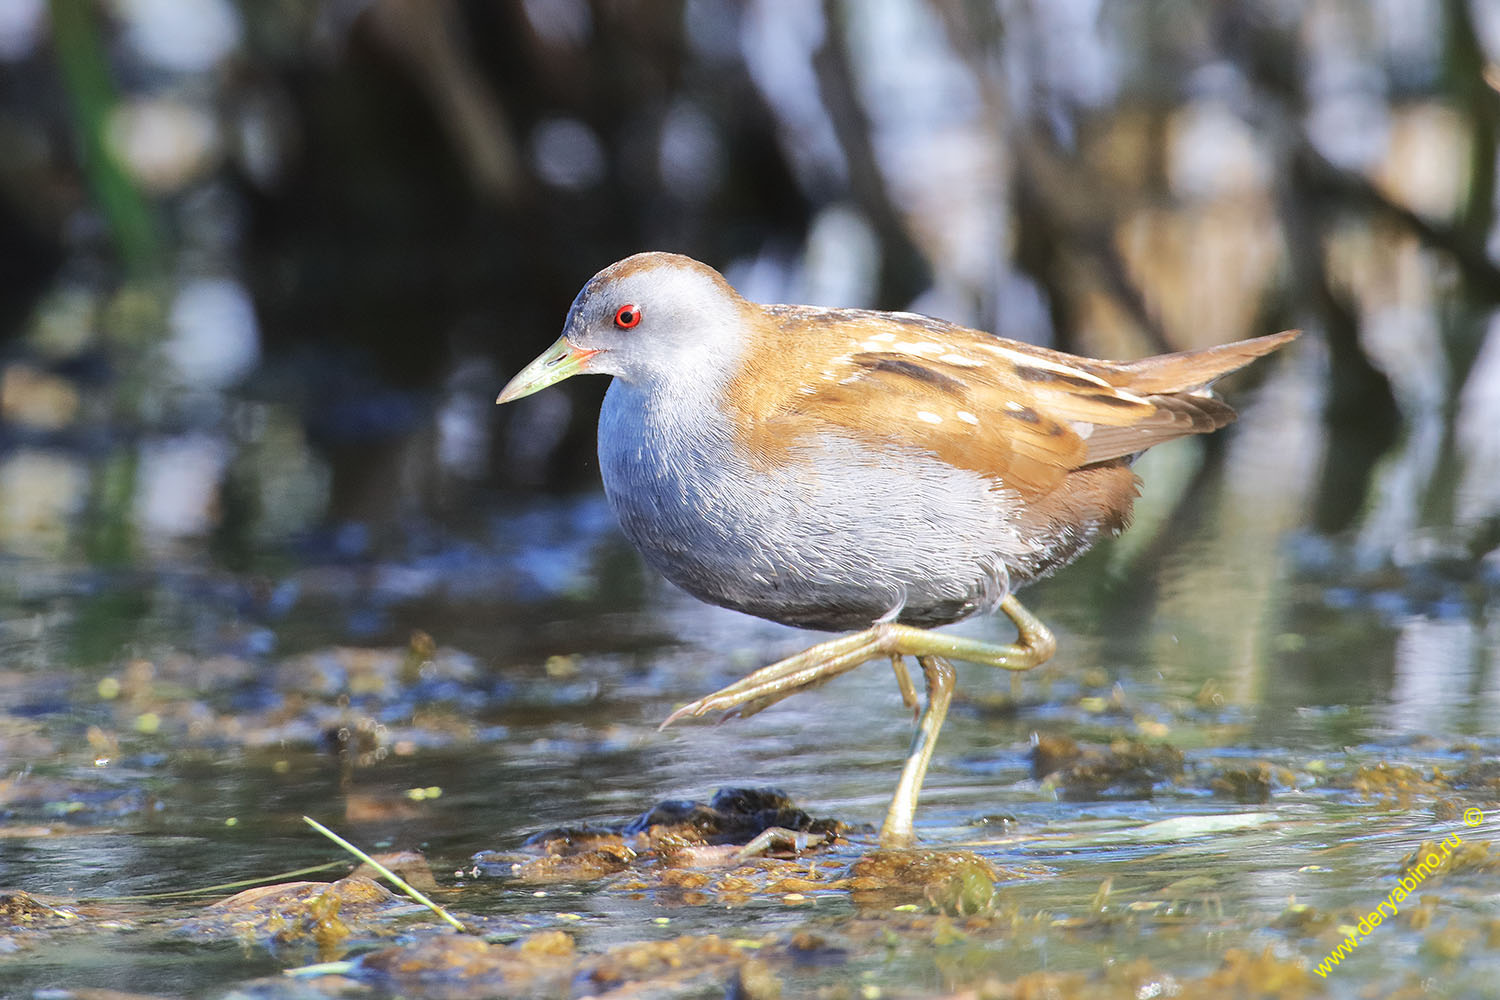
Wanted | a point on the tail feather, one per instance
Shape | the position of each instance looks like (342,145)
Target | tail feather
(1186,371)
(1176,416)
(1176,385)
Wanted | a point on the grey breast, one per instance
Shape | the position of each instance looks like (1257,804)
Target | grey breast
(839,537)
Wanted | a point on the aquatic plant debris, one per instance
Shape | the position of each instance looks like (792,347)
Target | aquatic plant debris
(391,876)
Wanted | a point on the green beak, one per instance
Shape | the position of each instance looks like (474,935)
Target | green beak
(561,360)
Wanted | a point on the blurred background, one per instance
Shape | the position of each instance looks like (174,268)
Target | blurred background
(266,265)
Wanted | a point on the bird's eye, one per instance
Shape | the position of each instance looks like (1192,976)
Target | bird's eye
(627,316)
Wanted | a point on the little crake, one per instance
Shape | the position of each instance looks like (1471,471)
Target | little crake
(844,469)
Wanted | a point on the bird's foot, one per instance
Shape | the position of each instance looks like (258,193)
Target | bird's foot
(779,838)
(768,685)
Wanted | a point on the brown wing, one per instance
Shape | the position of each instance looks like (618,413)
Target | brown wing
(1178,386)
(1023,415)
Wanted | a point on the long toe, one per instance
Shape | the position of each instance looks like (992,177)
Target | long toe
(785,678)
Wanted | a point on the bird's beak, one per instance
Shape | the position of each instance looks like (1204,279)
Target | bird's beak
(561,360)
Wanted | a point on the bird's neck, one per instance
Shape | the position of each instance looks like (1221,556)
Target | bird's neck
(664,422)
(663,457)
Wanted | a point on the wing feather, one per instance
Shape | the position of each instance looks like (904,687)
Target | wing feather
(1022,415)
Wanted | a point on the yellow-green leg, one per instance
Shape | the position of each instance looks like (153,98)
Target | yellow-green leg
(896,831)
(1034,645)
(903,682)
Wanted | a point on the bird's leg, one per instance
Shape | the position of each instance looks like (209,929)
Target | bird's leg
(896,831)
(769,685)
(903,681)
(1034,644)
(1031,634)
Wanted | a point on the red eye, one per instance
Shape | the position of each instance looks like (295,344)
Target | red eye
(627,316)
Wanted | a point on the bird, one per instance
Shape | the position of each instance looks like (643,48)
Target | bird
(850,470)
